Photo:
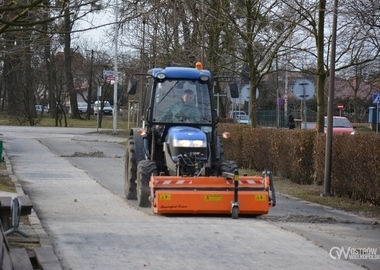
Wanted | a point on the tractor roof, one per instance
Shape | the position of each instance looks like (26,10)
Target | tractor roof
(180,72)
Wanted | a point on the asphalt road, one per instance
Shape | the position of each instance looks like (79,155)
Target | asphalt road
(74,178)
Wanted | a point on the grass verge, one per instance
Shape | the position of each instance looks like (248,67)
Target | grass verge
(313,193)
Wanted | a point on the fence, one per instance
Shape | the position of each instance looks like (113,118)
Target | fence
(268,118)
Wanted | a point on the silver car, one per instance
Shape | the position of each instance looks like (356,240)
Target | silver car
(107,109)
(242,119)
(82,107)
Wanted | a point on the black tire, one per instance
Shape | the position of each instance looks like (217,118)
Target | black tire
(217,155)
(220,149)
(235,212)
(130,171)
(228,166)
(145,169)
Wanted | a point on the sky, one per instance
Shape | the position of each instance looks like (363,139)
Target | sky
(102,33)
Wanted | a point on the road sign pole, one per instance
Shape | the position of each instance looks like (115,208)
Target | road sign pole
(304,90)
(99,108)
(376,100)
(377,118)
(340,108)
(304,107)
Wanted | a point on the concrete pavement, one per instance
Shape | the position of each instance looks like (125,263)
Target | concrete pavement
(92,228)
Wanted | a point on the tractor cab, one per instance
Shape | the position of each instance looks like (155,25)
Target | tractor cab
(182,102)
(178,96)
(179,121)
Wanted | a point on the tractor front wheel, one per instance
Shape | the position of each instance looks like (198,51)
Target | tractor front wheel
(145,169)
(130,170)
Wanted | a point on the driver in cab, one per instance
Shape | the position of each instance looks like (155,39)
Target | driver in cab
(184,110)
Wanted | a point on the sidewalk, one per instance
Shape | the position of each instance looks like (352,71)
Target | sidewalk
(29,224)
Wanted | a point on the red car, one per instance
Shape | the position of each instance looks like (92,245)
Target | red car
(341,125)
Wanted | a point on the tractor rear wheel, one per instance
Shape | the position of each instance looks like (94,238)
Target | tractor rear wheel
(217,155)
(228,166)
(145,169)
(130,170)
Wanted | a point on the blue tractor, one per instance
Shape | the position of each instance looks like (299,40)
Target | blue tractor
(174,161)
(177,139)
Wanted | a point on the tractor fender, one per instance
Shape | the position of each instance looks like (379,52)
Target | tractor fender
(139,145)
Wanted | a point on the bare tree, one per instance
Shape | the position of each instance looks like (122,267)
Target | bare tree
(14,14)
(260,33)
(356,45)
(225,35)
(24,29)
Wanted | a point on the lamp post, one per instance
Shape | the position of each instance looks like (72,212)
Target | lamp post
(277,96)
(143,16)
(115,106)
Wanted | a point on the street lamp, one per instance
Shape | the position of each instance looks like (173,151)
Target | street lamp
(277,96)
(142,56)
(115,107)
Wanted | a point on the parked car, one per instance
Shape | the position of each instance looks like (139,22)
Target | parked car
(39,108)
(233,114)
(82,107)
(242,119)
(341,125)
(107,109)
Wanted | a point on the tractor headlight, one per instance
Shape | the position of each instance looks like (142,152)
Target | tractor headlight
(189,143)
(204,78)
(161,76)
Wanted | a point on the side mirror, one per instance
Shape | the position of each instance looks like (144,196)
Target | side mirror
(132,86)
(234,90)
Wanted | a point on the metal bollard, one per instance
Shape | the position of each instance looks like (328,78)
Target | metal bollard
(16,213)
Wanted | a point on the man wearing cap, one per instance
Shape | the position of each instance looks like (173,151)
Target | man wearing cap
(184,110)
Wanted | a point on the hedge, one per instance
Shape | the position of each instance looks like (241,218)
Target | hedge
(299,155)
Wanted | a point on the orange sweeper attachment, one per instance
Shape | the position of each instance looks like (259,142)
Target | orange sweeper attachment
(229,194)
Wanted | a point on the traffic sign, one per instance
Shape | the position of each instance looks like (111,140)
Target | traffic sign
(340,106)
(109,76)
(245,92)
(303,89)
(375,98)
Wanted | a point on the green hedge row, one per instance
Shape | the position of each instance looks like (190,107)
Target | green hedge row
(299,155)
